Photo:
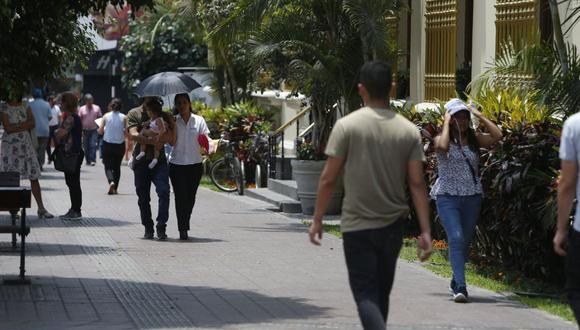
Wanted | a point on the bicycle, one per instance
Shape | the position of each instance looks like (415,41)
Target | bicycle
(227,173)
(256,157)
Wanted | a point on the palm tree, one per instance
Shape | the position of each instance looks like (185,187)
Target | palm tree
(558,35)
(318,45)
(204,16)
(536,67)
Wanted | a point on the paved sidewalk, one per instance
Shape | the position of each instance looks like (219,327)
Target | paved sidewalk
(245,268)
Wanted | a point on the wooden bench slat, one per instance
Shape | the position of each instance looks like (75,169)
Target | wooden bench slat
(15,198)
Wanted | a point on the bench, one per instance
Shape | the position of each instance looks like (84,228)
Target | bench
(14,198)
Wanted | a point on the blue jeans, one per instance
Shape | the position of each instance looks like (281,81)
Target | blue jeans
(459,215)
(90,145)
(144,176)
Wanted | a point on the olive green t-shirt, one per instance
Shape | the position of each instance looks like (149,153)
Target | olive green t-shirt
(136,117)
(377,145)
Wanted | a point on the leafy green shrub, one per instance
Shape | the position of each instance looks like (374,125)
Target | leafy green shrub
(245,123)
(305,151)
(518,175)
(519,179)
(173,45)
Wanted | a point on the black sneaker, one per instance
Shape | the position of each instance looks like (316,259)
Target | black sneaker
(161,234)
(460,295)
(149,233)
(66,215)
(72,214)
(76,215)
(183,235)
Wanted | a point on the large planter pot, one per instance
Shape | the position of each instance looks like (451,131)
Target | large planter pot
(307,175)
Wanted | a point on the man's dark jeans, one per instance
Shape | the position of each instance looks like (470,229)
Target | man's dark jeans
(159,176)
(573,273)
(371,258)
(90,144)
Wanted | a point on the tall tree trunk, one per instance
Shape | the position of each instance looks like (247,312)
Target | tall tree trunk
(558,35)
(365,48)
(230,79)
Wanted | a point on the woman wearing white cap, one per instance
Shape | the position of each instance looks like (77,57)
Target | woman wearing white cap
(458,191)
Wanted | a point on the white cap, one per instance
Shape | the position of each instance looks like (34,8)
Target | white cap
(455,105)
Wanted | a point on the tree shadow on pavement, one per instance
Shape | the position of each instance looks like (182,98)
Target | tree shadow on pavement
(57,303)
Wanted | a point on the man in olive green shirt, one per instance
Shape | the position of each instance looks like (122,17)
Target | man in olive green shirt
(380,153)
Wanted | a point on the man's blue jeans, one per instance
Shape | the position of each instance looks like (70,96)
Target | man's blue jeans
(159,176)
(90,145)
(459,215)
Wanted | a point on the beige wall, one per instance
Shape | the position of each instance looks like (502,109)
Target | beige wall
(284,109)
(417,58)
(483,47)
(574,35)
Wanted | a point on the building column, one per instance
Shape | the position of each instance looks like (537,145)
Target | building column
(483,49)
(417,57)
(573,36)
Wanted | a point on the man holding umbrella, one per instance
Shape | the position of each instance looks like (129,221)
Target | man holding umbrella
(161,84)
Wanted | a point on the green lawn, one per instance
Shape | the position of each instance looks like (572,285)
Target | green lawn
(487,277)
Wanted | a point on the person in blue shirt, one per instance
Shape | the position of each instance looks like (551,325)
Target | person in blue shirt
(42,114)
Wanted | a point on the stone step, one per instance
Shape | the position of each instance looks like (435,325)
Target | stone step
(281,202)
(284,187)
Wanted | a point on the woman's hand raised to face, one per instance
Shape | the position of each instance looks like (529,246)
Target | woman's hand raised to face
(473,109)
(446,118)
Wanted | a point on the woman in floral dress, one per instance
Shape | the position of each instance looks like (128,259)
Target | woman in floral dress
(16,152)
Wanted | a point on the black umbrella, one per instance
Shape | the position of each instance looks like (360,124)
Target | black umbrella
(166,83)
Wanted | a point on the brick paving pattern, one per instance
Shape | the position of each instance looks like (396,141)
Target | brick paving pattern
(244,268)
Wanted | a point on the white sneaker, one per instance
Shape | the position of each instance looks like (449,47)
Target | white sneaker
(140,155)
(459,298)
(460,295)
(153,163)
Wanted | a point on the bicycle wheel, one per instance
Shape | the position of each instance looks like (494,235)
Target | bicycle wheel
(223,176)
(239,171)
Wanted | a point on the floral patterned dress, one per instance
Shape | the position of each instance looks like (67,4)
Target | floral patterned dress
(16,151)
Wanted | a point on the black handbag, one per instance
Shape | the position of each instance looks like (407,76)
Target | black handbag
(65,161)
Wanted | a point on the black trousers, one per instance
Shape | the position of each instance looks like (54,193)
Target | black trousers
(112,157)
(573,273)
(185,181)
(371,258)
(52,129)
(73,182)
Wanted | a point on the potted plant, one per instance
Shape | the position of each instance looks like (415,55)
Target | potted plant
(306,170)
(316,48)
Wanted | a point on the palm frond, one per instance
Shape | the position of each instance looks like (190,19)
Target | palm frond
(573,15)
(370,18)
(247,17)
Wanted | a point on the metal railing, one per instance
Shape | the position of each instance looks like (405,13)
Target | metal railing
(277,136)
